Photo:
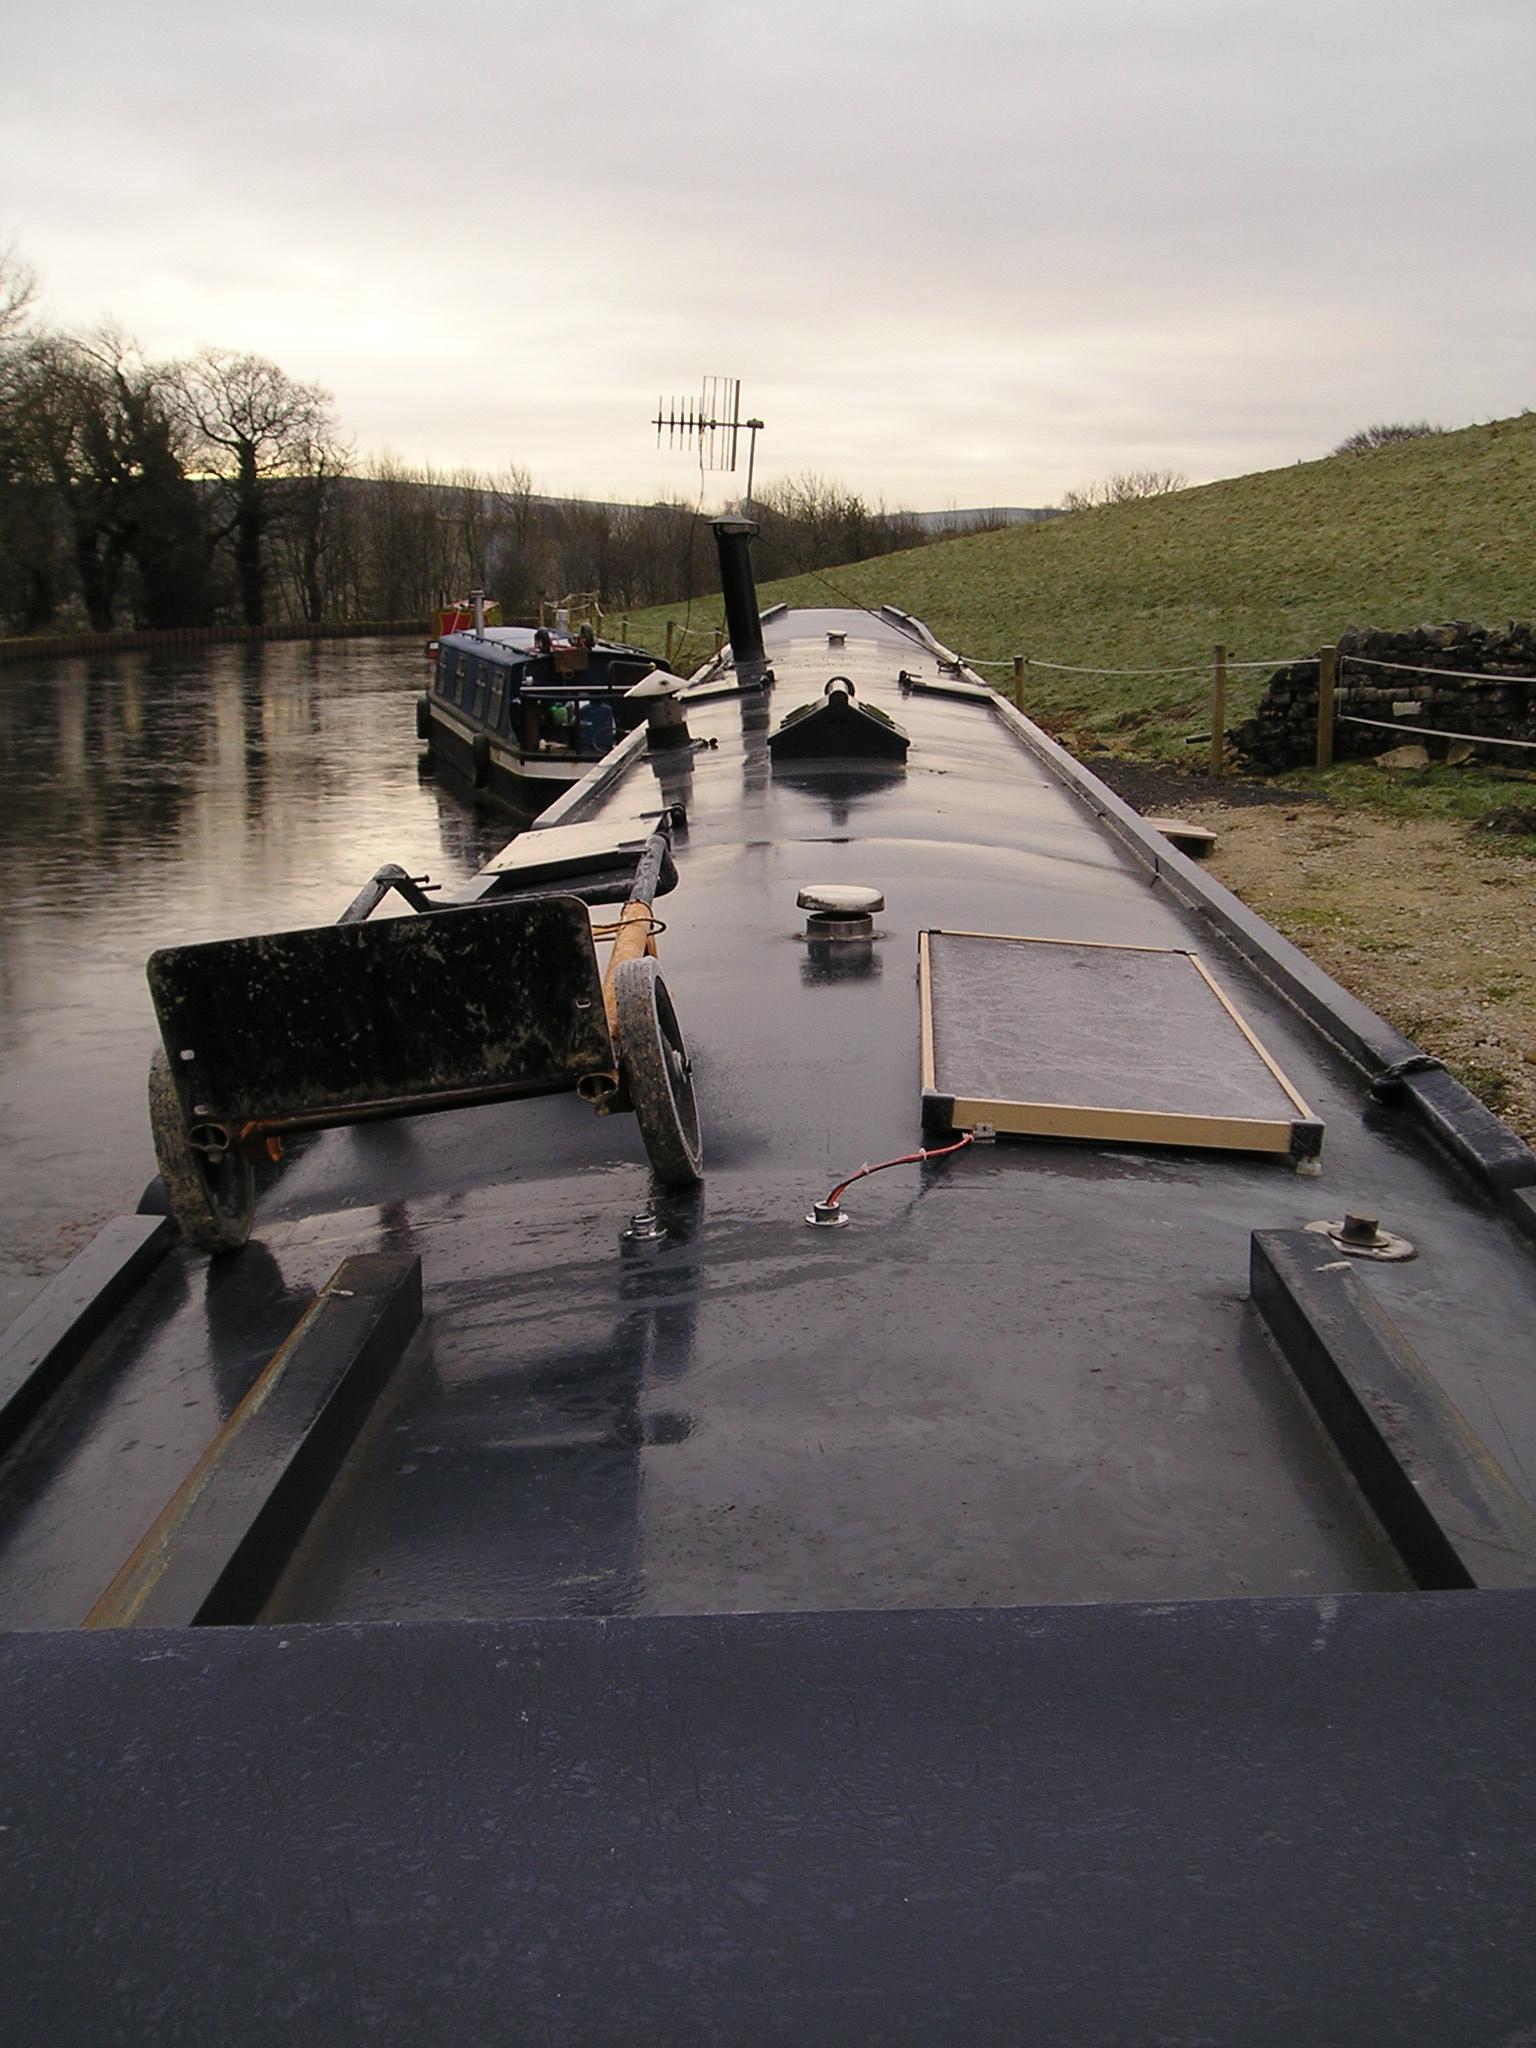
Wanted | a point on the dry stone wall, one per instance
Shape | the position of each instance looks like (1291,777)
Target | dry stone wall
(1496,697)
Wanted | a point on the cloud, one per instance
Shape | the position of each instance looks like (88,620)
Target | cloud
(988,253)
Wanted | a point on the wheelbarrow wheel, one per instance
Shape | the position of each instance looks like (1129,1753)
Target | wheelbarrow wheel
(212,1205)
(657,1074)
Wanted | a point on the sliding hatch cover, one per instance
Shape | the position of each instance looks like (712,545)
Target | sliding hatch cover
(1138,1045)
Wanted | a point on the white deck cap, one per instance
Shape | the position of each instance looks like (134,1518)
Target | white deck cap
(841,899)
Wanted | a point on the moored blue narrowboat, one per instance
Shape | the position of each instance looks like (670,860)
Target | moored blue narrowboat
(521,713)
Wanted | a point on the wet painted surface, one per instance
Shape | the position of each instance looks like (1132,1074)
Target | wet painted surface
(1026,1374)
(154,799)
(587,1792)
(1257,1823)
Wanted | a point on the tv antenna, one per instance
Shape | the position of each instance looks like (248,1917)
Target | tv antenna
(711,423)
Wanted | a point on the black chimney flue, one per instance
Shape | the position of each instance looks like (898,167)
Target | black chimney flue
(733,543)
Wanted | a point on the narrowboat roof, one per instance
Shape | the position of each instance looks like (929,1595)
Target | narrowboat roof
(990,1619)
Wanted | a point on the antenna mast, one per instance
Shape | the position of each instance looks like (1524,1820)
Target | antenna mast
(711,423)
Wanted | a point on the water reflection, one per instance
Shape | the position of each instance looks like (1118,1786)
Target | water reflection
(249,1307)
(840,788)
(512,1476)
(830,961)
(158,798)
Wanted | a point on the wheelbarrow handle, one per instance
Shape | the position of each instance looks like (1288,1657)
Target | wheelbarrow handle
(636,920)
(648,869)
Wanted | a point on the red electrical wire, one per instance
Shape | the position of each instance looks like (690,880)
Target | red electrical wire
(906,1159)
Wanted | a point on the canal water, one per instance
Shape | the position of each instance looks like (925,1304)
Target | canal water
(148,799)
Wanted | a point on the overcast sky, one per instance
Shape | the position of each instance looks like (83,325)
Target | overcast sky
(972,253)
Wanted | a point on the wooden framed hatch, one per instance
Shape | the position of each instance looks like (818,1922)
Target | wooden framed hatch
(1073,1038)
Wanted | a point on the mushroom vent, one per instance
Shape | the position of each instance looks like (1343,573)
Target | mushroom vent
(836,727)
(839,910)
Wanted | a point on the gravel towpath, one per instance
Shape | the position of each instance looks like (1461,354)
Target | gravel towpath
(1431,925)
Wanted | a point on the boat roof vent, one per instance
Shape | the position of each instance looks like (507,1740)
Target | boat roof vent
(839,910)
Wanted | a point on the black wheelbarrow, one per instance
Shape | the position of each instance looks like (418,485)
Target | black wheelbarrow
(357,1021)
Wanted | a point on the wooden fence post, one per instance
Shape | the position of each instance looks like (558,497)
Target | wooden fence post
(671,630)
(1327,677)
(1018,682)
(1219,714)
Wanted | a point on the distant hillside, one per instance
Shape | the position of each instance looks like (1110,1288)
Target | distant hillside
(1273,565)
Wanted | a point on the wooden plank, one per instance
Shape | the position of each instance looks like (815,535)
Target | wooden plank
(1194,839)
(1248,1033)
(1122,1126)
(925,1009)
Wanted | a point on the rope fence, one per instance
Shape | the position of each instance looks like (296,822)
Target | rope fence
(1068,668)
(1188,668)
(1432,732)
(1463,675)
(1329,661)
(1220,666)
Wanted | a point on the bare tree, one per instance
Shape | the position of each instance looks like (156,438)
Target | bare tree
(472,507)
(515,500)
(32,546)
(159,516)
(408,545)
(811,522)
(18,289)
(252,422)
(98,423)
(1121,488)
(1384,434)
(63,414)
(512,528)
(311,525)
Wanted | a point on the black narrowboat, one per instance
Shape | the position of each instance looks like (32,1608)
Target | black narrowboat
(597,1566)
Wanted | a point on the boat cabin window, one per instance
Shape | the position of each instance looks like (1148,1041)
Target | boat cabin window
(482,679)
(498,695)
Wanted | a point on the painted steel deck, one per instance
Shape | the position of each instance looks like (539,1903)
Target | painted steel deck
(1027,1377)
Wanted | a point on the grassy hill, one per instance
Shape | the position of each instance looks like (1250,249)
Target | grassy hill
(1273,565)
